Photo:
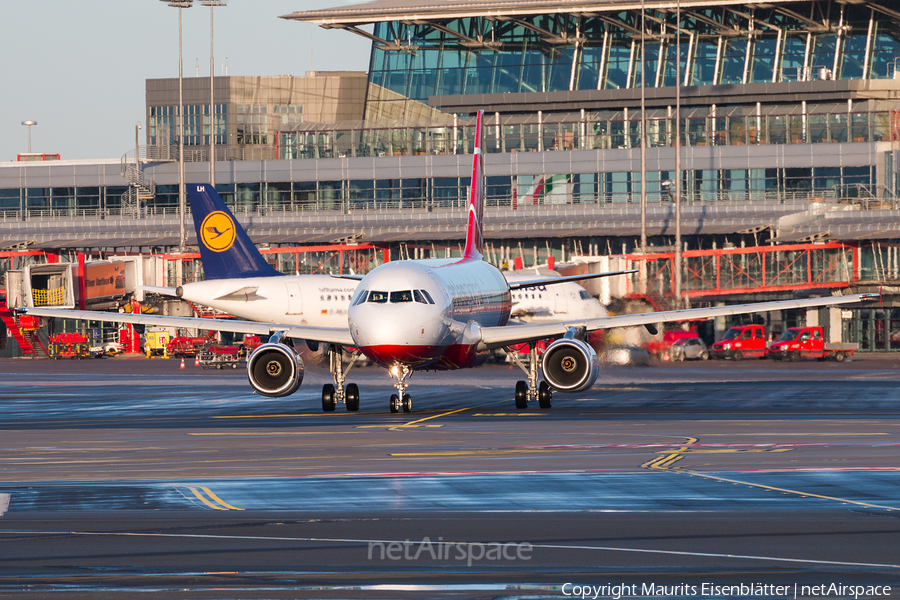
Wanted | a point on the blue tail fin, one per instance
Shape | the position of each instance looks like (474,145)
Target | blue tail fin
(225,249)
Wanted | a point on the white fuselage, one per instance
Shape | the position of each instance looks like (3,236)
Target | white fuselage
(312,300)
(559,301)
(426,313)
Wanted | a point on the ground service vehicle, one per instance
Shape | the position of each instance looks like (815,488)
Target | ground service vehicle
(156,342)
(661,347)
(68,345)
(743,341)
(689,348)
(808,342)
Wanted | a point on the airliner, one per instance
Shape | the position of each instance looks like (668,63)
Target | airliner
(409,315)
(539,303)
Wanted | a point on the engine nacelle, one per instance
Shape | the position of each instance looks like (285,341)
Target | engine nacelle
(570,365)
(275,370)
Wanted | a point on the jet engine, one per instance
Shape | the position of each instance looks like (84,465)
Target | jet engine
(570,365)
(275,370)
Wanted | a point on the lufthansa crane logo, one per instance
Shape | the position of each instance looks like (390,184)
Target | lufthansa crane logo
(217,231)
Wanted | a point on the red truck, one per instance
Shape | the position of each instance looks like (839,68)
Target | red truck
(808,342)
(743,341)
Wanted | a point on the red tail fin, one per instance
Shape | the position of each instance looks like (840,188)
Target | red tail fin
(474,237)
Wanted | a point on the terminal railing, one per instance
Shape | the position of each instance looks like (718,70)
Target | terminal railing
(736,126)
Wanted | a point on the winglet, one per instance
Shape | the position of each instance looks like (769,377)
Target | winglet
(474,236)
(226,250)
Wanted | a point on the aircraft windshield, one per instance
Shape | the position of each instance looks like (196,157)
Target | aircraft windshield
(731,334)
(788,335)
(404,296)
(378,297)
(584,295)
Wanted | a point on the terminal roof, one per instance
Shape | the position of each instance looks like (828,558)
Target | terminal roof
(434,10)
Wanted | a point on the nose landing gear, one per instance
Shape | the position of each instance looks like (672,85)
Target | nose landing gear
(527,391)
(401,399)
(336,393)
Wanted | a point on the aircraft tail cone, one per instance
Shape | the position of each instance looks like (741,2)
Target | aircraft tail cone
(182,363)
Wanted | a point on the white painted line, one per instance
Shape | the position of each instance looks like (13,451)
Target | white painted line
(461,543)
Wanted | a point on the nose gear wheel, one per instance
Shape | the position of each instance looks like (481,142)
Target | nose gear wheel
(401,399)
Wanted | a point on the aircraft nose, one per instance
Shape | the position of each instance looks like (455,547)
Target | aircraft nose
(397,333)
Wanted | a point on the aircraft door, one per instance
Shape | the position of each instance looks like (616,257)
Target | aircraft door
(562,301)
(294,298)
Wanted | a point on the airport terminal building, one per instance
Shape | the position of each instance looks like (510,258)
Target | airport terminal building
(786,114)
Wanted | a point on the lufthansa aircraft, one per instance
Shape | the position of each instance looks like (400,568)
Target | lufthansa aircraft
(407,315)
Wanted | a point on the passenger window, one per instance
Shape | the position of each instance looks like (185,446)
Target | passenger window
(404,296)
(378,297)
(427,296)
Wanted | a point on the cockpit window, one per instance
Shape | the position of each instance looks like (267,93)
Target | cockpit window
(427,296)
(419,297)
(378,297)
(584,295)
(403,296)
(360,298)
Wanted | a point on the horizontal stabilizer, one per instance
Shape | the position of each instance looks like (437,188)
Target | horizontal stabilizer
(158,289)
(518,285)
(245,294)
(349,276)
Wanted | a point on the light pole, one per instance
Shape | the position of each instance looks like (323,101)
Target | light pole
(212,97)
(182,237)
(678,179)
(643,135)
(29,123)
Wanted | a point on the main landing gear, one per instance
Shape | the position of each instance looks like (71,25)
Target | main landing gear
(530,390)
(401,399)
(332,394)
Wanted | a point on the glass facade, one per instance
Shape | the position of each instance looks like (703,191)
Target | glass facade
(412,191)
(717,126)
(163,130)
(561,52)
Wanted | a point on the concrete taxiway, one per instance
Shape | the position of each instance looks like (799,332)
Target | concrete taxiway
(133,476)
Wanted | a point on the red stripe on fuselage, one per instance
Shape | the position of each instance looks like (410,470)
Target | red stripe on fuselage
(454,356)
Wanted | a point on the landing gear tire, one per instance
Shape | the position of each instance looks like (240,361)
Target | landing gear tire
(794,356)
(545,395)
(521,395)
(328,397)
(407,403)
(351,397)
(737,356)
(395,403)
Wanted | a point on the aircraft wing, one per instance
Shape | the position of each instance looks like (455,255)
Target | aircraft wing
(495,337)
(517,285)
(327,335)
